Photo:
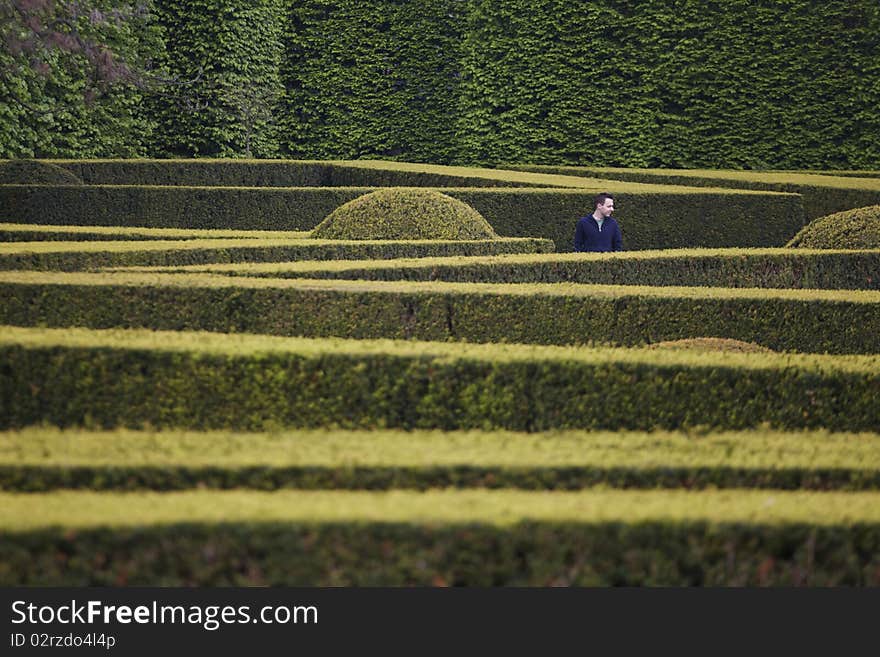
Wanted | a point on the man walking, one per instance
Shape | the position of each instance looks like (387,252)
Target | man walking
(599,231)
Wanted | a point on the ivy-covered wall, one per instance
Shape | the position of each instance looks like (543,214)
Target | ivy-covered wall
(52,105)
(668,83)
(375,78)
(226,58)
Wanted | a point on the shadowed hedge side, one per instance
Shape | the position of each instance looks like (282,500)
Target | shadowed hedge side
(616,554)
(35,172)
(274,173)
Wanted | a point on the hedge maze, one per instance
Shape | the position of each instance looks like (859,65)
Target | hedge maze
(198,390)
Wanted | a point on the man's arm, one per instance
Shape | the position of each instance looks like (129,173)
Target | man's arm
(580,238)
(616,239)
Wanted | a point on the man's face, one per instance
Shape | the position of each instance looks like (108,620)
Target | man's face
(604,211)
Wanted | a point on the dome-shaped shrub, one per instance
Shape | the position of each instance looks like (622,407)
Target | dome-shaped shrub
(34,172)
(711,344)
(851,229)
(404,214)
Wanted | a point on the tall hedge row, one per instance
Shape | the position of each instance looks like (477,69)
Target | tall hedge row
(651,553)
(820,197)
(672,83)
(812,321)
(657,83)
(653,220)
(231,52)
(57,109)
(246,382)
(373,79)
(161,253)
(272,173)
(778,268)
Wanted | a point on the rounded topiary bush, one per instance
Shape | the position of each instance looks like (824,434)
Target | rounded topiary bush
(34,172)
(404,214)
(711,344)
(851,229)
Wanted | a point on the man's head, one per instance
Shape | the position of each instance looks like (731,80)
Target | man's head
(604,206)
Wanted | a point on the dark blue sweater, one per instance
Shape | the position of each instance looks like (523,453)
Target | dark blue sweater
(588,237)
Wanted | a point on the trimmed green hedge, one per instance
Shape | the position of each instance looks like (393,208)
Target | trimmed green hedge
(74,256)
(849,174)
(42,459)
(296,173)
(810,321)
(771,268)
(228,54)
(75,377)
(822,194)
(55,103)
(473,538)
(35,172)
(37,233)
(648,219)
(507,81)
(33,478)
(453,81)
(404,214)
(231,208)
(852,229)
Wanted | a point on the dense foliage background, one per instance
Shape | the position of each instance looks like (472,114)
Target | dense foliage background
(672,83)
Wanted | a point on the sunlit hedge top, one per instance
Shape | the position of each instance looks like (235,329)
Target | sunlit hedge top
(400,213)
(711,344)
(851,229)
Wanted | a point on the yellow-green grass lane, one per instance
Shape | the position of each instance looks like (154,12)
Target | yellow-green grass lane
(74,510)
(249,345)
(49,446)
(583,290)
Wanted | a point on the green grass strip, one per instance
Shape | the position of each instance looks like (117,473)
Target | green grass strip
(76,377)
(40,459)
(775,268)
(833,321)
